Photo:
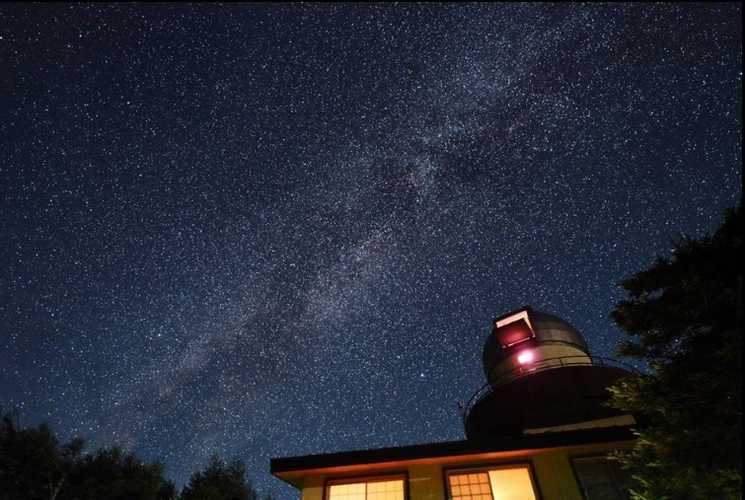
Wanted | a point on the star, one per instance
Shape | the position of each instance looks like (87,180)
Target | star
(244,231)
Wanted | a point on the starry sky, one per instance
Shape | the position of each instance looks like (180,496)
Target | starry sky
(271,230)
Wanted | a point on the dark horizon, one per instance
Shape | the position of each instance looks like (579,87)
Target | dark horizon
(278,230)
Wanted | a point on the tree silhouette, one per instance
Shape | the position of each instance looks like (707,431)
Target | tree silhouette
(33,464)
(684,318)
(114,474)
(220,480)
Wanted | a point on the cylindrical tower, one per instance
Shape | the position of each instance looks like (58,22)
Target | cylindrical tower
(540,376)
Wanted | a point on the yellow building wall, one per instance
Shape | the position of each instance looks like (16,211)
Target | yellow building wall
(313,488)
(425,482)
(552,471)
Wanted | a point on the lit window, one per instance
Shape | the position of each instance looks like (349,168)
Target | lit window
(508,483)
(373,489)
(601,479)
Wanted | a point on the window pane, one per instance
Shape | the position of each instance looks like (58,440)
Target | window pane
(371,490)
(469,486)
(496,484)
(385,490)
(511,484)
(601,479)
(352,491)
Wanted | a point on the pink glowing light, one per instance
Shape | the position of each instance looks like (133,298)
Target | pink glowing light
(525,357)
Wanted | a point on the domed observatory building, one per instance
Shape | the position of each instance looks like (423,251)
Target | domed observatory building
(539,428)
(540,377)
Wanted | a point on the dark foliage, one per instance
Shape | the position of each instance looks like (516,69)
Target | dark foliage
(35,466)
(684,318)
(116,475)
(219,481)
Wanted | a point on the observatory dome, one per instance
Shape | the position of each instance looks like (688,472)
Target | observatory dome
(549,329)
(540,375)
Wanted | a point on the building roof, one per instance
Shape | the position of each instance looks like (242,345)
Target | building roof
(282,466)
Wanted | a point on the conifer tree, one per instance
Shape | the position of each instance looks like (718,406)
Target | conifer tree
(683,316)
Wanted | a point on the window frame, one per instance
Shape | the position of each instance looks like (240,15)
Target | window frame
(572,458)
(485,467)
(367,478)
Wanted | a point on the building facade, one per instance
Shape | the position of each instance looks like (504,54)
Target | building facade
(539,428)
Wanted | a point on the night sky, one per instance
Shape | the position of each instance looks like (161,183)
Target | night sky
(271,230)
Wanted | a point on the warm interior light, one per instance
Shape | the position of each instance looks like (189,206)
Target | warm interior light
(512,483)
(525,357)
(368,490)
(514,333)
(513,328)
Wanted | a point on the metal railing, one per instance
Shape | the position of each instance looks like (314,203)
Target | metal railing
(536,367)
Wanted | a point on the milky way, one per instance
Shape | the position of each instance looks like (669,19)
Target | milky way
(270,230)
